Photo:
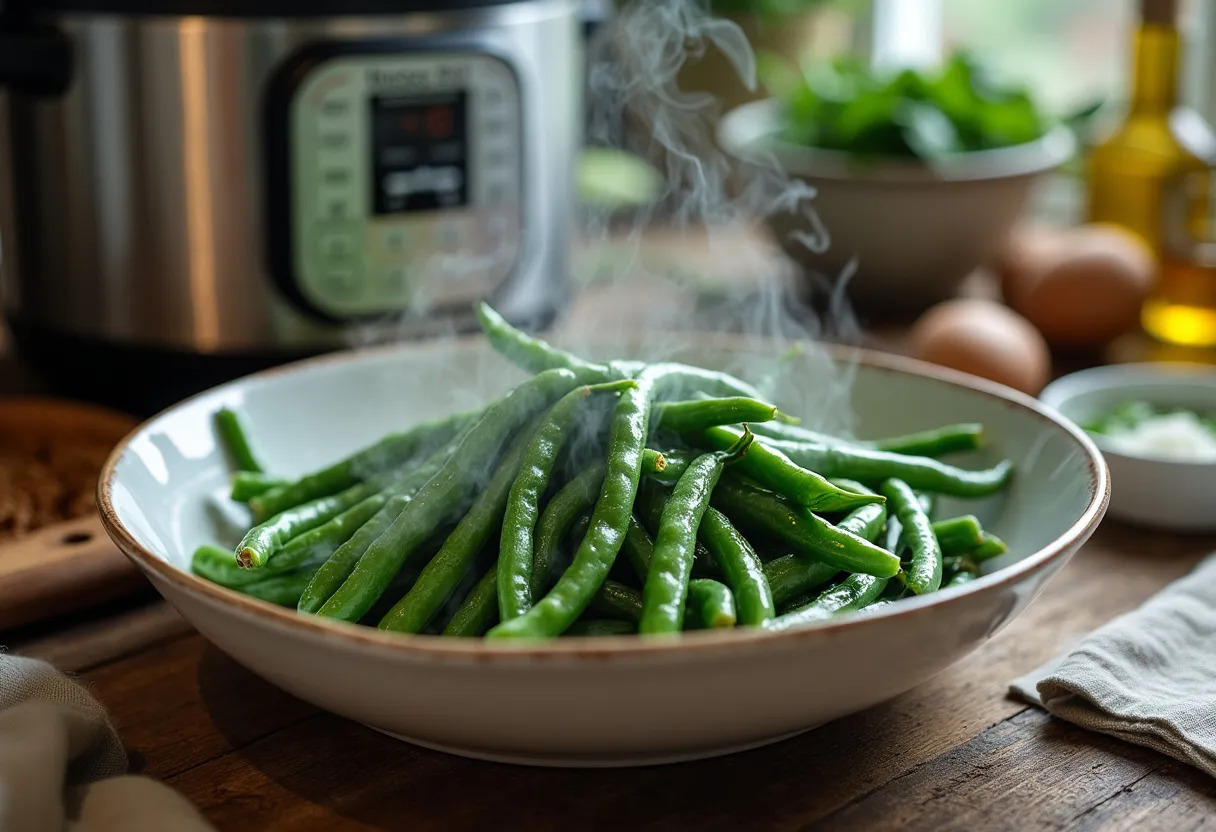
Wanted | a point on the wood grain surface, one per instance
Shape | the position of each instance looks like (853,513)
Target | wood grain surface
(955,753)
(66,566)
(62,568)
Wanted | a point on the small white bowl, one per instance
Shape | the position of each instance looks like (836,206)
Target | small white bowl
(1165,494)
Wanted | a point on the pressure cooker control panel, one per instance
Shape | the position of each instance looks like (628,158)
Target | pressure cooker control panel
(405,180)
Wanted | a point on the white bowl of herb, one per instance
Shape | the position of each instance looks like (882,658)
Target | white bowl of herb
(919,175)
(1156,426)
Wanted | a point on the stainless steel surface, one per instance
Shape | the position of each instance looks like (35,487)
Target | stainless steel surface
(136,212)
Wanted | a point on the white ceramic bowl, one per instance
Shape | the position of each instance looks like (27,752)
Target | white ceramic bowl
(606,701)
(1165,494)
(917,230)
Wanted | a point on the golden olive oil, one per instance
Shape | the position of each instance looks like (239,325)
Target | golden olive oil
(1153,176)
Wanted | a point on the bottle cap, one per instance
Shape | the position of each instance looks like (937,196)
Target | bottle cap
(1163,12)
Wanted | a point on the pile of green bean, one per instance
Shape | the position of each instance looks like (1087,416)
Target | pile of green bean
(509,522)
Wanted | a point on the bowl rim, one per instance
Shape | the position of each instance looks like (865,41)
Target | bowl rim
(1113,377)
(599,649)
(747,131)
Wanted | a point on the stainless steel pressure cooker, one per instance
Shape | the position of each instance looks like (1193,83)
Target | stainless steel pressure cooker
(191,188)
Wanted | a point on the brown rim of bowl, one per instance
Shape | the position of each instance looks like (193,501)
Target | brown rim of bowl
(613,647)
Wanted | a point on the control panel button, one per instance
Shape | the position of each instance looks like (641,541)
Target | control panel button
(336,245)
(335,207)
(333,107)
(343,281)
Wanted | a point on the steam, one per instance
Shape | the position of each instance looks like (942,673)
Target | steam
(775,314)
(634,68)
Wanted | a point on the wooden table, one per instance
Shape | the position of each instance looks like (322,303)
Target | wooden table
(952,754)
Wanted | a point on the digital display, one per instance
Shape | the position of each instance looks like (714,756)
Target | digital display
(420,153)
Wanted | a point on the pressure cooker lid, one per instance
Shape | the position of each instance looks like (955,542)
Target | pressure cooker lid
(250,8)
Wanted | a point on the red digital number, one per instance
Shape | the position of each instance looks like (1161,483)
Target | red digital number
(439,122)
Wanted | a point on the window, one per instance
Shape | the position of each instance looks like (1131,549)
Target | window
(1070,52)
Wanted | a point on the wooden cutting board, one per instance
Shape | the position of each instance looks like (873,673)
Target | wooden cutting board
(65,566)
(62,569)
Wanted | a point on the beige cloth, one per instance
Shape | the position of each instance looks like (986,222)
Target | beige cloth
(62,766)
(1147,677)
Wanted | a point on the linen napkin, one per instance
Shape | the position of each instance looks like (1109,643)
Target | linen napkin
(62,766)
(1147,677)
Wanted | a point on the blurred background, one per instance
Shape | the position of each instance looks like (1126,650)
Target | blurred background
(187,198)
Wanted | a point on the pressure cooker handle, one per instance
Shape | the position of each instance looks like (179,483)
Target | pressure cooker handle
(36,60)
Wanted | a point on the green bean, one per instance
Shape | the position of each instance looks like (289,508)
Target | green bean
(712,603)
(852,593)
(323,541)
(602,627)
(515,553)
(479,610)
(532,354)
(949,439)
(919,472)
(578,529)
(741,567)
(564,507)
(615,600)
(219,566)
(936,442)
(654,464)
(958,535)
(699,414)
(865,522)
(791,576)
(681,381)
(795,603)
(440,577)
(805,532)
(236,440)
(284,590)
(895,532)
(638,548)
(960,578)
(778,415)
(248,484)
(343,559)
(925,572)
(666,588)
(928,502)
(390,453)
(990,546)
(879,604)
(775,470)
(342,562)
(609,520)
(264,539)
(535,355)
(652,499)
(445,494)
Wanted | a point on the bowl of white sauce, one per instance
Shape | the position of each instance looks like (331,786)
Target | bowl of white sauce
(1156,426)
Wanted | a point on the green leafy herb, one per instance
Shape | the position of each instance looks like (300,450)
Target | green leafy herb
(1128,416)
(844,105)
